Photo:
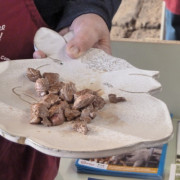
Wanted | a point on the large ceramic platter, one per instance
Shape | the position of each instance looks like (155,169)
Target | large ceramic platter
(141,121)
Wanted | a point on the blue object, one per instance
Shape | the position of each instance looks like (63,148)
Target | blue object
(81,168)
(172,26)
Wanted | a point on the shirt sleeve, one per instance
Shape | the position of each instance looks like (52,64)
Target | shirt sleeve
(74,8)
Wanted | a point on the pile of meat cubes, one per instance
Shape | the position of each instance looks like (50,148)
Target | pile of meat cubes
(62,102)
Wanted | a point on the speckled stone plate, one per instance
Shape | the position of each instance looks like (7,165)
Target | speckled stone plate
(141,121)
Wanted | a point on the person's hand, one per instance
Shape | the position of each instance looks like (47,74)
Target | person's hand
(90,30)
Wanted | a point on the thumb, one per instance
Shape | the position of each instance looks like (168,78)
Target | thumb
(79,44)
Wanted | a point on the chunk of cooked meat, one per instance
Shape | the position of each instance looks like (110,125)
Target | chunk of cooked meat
(81,127)
(35,120)
(83,101)
(41,86)
(68,91)
(85,115)
(53,78)
(87,119)
(46,122)
(114,99)
(92,111)
(33,74)
(64,105)
(84,91)
(71,114)
(55,109)
(55,89)
(39,111)
(62,102)
(58,118)
(98,103)
(50,99)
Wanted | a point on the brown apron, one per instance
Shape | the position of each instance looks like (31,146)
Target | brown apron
(19,20)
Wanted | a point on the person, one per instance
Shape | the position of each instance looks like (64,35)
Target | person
(20,19)
(172,20)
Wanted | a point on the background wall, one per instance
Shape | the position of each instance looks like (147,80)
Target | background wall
(137,19)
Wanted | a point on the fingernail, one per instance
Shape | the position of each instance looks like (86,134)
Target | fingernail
(74,50)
